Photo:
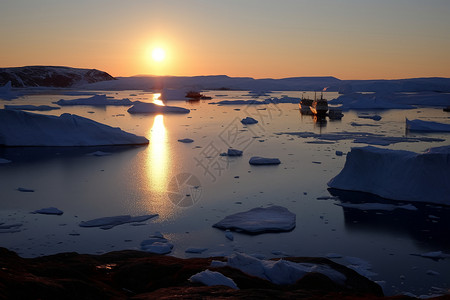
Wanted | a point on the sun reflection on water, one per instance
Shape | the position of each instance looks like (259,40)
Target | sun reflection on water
(157,162)
(157,101)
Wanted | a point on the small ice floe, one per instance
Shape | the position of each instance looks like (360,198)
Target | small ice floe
(229,235)
(157,244)
(99,153)
(376,206)
(10,228)
(259,220)
(426,126)
(369,101)
(281,272)
(258,160)
(232,152)
(96,100)
(186,140)
(279,253)
(240,102)
(110,222)
(248,121)
(435,255)
(432,273)
(195,250)
(20,128)
(372,117)
(210,278)
(32,107)
(398,174)
(360,265)
(25,190)
(339,153)
(354,124)
(48,211)
(218,263)
(152,108)
(4,161)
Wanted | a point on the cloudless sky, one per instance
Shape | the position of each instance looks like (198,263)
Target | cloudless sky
(349,39)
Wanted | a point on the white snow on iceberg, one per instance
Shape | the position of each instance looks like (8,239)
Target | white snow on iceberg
(426,126)
(96,100)
(259,220)
(19,128)
(397,174)
(281,272)
(210,278)
(110,222)
(151,108)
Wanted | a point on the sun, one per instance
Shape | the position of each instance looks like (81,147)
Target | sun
(158,54)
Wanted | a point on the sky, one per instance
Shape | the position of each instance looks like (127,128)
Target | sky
(348,39)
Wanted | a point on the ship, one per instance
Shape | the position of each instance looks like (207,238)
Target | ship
(319,107)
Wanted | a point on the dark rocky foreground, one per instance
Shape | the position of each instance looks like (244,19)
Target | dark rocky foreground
(50,76)
(138,275)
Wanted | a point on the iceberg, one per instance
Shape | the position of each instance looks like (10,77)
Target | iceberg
(48,211)
(6,92)
(397,174)
(210,278)
(281,272)
(152,108)
(157,244)
(96,100)
(248,120)
(426,126)
(259,220)
(368,101)
(110,222)
(19,128)
(31,107)
(257,160)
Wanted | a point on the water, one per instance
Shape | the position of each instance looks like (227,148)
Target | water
(158,178)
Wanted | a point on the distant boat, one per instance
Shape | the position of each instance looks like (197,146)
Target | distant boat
(305,105)
(319,107)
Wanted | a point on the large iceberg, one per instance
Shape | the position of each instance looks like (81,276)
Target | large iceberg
(19,128)
(368,101)
(427,126)
(397,174)
(152,108)
(96,100)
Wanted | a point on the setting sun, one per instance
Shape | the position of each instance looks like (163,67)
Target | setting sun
(158,54)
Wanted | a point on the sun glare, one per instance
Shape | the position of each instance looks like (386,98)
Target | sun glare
(158,54)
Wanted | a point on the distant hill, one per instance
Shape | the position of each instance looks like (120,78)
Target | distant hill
(51,76)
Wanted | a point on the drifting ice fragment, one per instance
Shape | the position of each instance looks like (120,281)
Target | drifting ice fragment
(186,140)
(157,244)
(96,100)
(210,278)
(110,222)
(257,160)
(260,220)
(151,108)
(248,120)
(426,126)
(48,211)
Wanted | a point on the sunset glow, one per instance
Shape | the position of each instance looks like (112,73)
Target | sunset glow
(158,54)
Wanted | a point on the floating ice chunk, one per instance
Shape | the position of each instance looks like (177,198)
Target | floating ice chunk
(372,117)
(96,100)
(31,107)
(426,126)
(232,152)
(4,161)
(210,278)
(433,273)
(360,265)
(397,174)
(19,128)
(377,206)
(368,101)
(48,211)
(435,255)
(25,190)
(284,99)
(110,222)
(260,220)
(99,153)
(281,272)
(218,264)
(229,235)
(195,250)
(257,160)
(248,121)
(339,153)
(186,140)
(354,124)
(6,92)
(157,244)
(10,228)
(240,102)
(152,108)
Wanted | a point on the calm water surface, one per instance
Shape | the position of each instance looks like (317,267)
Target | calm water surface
(191,187)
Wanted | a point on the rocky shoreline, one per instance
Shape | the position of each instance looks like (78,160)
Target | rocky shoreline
(133,274)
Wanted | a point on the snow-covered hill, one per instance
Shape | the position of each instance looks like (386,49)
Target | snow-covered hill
(51,76)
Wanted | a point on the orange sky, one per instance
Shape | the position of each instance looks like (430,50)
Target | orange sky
(348,39)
